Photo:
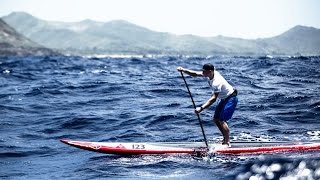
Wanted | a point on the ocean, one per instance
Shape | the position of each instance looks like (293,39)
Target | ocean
(143,98)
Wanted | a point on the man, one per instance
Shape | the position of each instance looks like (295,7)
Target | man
(220,89)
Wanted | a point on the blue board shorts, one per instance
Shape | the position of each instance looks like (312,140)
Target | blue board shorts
(225,108)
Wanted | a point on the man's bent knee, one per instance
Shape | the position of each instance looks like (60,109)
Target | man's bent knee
(217,121)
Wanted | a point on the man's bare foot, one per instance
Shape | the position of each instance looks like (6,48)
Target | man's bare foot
(226,144)
(222,146)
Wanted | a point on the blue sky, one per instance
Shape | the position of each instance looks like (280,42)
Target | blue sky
(236,18)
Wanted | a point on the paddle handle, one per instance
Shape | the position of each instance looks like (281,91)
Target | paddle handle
(194,105)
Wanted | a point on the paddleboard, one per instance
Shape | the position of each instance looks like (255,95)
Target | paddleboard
(195,148)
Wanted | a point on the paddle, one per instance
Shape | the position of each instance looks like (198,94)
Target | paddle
(194,105)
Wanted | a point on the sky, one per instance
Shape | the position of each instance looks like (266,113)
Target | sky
(248,19)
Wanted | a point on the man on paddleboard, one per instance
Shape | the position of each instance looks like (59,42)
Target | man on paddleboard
(220,89)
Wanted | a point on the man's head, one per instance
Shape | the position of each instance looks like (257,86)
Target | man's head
(208,67)
(207,70)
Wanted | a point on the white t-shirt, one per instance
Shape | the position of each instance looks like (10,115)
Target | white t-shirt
(219,85)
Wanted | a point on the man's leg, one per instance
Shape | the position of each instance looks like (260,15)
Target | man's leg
(218,124)
(224,129)
(225,112)
(226,133)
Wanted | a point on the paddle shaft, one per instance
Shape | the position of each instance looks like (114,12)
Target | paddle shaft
(194,105)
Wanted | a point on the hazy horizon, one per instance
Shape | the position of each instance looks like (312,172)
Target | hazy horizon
(247,19)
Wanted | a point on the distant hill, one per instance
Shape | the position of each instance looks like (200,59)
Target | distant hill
(298,40)
(13,43)
(91,37)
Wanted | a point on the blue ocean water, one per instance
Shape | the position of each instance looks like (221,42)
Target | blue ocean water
(45,99)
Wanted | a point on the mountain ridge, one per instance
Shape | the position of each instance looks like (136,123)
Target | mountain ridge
(119,36)
(13,43)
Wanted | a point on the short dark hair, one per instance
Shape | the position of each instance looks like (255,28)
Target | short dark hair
(208,67)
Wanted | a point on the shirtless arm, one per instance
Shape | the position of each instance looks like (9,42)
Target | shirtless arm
(210,101)
(190,72)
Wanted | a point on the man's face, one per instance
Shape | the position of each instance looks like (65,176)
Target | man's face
(206,73)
